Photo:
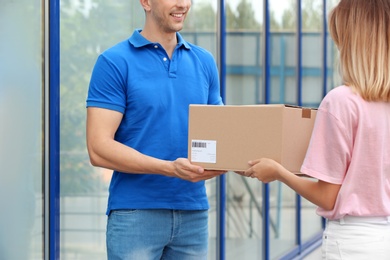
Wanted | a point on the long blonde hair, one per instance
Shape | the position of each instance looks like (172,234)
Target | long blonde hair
(361,31)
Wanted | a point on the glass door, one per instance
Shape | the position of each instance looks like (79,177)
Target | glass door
(21,129)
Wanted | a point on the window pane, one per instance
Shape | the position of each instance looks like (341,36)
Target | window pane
(283,52)
(21,132)
(312,54)
(244,21)
(282,219)
(244,214)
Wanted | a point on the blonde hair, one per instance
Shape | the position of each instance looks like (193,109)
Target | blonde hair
(361,31)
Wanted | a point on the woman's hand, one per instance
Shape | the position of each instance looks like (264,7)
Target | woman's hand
(264,169)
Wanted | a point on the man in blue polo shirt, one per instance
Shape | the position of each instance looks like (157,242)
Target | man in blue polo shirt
(137,119)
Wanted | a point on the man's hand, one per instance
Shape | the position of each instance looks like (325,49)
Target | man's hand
(185,170)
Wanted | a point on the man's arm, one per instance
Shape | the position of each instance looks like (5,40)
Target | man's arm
(106,152)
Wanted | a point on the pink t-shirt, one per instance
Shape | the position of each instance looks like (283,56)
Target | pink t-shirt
(350,145)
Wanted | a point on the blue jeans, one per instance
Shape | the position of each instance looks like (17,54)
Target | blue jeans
(157,234)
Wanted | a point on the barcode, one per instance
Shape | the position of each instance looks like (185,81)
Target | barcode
(199,144)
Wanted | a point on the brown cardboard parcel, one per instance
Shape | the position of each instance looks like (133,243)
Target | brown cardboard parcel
(227,137)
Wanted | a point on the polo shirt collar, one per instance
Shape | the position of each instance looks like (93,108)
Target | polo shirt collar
(137,40)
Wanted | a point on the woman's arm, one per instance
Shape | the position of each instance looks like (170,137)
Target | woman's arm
(322,194)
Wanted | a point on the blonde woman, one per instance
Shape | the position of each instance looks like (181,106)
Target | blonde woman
(349,152)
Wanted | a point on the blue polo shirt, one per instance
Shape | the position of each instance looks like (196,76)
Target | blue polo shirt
(153,92)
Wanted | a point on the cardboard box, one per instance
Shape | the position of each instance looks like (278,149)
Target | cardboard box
(227,137)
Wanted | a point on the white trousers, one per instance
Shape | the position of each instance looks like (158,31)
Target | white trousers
(357,238)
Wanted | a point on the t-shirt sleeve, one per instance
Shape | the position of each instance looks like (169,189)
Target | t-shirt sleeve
(330,147)
(107,87)
(214,83)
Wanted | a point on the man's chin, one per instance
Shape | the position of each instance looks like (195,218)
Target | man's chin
(178,28)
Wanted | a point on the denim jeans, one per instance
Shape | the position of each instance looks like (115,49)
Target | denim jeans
(157,234)
(357,238)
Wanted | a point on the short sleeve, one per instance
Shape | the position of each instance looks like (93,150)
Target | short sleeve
(330,149)
(107,88)
(215,91)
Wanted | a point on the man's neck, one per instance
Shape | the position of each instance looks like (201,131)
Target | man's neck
(167,40)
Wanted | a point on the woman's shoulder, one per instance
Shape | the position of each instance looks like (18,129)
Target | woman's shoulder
(342,94)
(341,91)
(340,99)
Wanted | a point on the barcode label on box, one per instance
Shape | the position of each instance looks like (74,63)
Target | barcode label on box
(204,151)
